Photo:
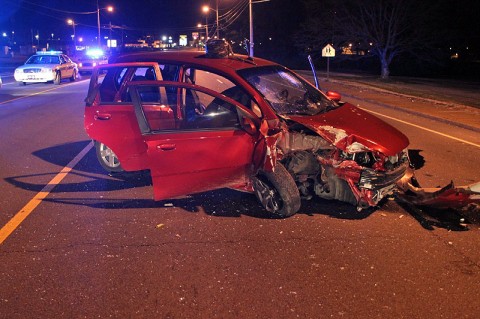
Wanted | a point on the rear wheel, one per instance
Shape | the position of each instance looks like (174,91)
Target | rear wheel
(58,78)
(73,78)
(277,192)
(107,158)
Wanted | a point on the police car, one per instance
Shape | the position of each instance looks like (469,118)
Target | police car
(50,66)
(91,59)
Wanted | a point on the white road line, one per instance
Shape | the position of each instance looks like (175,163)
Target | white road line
(424,128)
(20,216)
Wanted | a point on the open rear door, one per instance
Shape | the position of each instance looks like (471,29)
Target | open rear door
(109,113)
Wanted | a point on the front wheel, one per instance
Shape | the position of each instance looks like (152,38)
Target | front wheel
(277,192)
(107,158)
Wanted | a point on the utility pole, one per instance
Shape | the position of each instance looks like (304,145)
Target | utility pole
(98,24)
(251,28)
(218,34)
(250,2)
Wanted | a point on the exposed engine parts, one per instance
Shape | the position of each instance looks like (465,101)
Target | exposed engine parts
(318,168)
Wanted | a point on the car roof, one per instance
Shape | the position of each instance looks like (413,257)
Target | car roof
(232,63)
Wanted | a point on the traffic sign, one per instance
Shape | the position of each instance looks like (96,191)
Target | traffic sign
(328,51)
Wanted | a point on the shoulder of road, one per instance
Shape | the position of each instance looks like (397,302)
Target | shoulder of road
(448,101)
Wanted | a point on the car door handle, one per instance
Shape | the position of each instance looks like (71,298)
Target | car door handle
(166,147)
(102,116)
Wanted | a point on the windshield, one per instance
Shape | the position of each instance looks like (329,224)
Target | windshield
(43,59)
(286,92)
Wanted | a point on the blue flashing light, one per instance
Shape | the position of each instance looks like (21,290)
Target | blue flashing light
(94,53)
(48,52)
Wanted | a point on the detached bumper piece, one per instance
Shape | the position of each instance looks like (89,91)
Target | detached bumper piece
(442,198)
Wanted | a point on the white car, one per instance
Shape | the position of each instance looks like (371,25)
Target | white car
(51,66)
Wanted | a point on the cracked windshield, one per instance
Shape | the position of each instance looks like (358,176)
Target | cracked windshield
(287,93)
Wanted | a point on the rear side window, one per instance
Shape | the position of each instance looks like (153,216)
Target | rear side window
(110,82)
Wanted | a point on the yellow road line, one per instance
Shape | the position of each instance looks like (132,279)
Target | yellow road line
(424,128)
(20,216)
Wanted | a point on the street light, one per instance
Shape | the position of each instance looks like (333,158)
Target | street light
(206,8)
(72,23)
(109,9)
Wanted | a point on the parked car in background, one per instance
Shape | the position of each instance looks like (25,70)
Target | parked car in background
(49,66)
(90,59)
(201,121)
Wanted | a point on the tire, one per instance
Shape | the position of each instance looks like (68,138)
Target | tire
(107,158)
(22,83)
(277,192)
(73,78)
(58,78)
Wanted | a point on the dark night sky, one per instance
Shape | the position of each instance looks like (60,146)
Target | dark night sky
(276,22)
(175,16)
(143,16)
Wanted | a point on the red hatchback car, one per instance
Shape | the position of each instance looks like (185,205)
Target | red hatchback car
(202,121)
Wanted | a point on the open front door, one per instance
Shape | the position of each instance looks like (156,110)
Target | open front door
(198,140)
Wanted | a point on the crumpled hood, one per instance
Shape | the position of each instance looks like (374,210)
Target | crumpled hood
(352,129)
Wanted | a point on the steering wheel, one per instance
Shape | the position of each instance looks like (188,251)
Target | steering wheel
(282,95)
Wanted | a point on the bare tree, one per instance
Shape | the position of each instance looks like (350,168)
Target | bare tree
(382,28)
(388,25)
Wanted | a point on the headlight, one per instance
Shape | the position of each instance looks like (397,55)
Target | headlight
(18,71)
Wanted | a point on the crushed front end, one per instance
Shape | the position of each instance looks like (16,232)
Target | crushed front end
(355,174)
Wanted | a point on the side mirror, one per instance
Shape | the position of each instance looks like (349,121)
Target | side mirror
(249,126)
(334,96)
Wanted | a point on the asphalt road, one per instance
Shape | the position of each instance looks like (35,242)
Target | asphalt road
(97,246)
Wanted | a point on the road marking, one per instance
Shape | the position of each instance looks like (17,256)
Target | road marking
(424,128)
(38,93)
(20,216)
